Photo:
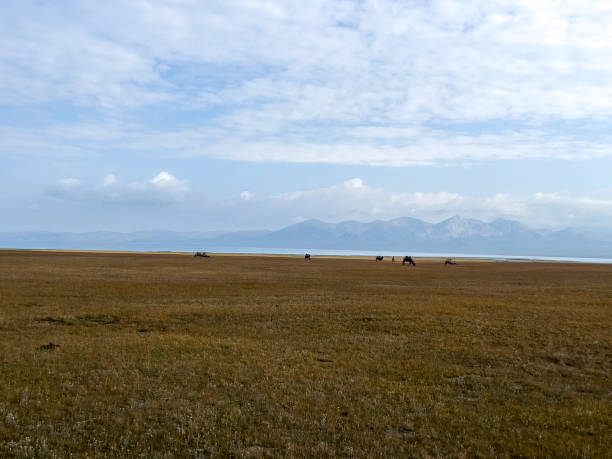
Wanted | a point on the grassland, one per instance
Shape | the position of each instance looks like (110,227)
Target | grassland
(174,356)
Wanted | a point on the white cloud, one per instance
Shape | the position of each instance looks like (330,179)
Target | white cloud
(368,82)
(169,183)
(355,183)
(163,188)
(340,202)
(69,183)
(246,195)
(108,180)
(350,188)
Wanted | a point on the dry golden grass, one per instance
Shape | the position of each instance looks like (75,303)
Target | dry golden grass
(166,355)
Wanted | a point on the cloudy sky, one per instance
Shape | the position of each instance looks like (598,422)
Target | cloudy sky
(191,115)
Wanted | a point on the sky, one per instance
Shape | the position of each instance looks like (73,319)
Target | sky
(235,115)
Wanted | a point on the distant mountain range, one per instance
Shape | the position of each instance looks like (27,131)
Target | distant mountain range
(405,235)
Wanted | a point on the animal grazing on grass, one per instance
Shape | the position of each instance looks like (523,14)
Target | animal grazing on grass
(408,260)
(202,254)
(449,261)
(307,256)
(379,258)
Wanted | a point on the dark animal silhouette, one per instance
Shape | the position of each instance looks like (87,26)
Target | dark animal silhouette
(408,260)
(392,259)
(449,261)
(307,256)
(379,258)
(202,254)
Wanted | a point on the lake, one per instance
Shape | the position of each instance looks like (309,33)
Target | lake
(357,253)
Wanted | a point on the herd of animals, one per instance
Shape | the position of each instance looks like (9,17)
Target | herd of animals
(407,259)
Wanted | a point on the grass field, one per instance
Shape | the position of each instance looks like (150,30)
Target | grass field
(174,356)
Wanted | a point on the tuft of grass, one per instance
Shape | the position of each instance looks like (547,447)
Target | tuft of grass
(167,355)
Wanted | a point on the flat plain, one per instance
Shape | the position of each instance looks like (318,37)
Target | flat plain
(167,355)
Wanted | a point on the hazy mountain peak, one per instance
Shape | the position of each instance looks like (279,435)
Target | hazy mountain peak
(505,225)
(406,235)
(458,226)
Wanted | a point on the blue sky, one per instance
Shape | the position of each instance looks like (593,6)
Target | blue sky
(190,115)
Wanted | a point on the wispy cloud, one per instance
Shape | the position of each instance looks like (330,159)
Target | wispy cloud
(368,82)
(377,146)
(132,86)
(108,180)
(68,183)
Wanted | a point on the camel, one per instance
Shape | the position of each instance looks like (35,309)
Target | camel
(408,260)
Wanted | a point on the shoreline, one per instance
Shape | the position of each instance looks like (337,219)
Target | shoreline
(338,256)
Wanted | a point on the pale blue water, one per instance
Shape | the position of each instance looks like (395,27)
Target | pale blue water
(357,253)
